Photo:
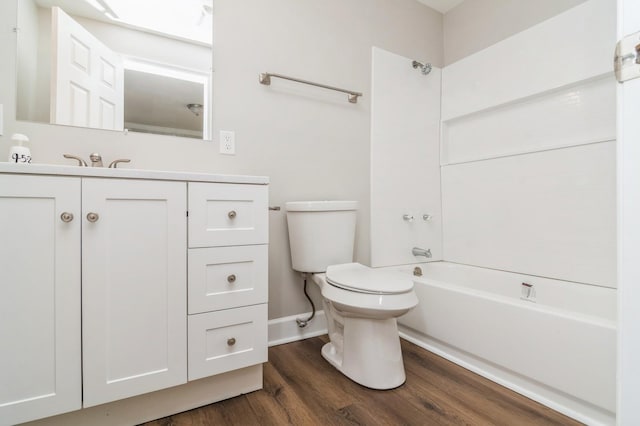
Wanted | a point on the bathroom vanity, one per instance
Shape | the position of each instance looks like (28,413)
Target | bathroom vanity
(123,289)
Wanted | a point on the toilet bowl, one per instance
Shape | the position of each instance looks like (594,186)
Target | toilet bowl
(361,304)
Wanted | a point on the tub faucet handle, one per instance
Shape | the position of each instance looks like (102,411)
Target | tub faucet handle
(407,217)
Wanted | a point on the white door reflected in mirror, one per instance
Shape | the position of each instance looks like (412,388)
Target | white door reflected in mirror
(89,78)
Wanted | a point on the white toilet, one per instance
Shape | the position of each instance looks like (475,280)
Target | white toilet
(361,304)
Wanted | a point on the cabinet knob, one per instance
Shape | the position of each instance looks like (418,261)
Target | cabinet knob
(231,341)
(93,217)
(231,278)
(66,217)
(232,214)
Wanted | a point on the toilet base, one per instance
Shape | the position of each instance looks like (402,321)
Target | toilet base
(367,351)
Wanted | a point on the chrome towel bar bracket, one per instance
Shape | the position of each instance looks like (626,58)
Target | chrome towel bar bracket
(265,78)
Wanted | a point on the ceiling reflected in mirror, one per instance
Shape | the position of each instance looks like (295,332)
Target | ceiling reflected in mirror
(187,19)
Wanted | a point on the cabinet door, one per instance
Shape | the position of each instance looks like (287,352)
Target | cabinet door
(133,288)
(39,297)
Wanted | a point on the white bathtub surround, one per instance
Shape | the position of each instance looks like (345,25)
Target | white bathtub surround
(548,213)
(573,46)
(405,175)
(559,351)
(575,114)
(528,186)
(512,198)
(528,151)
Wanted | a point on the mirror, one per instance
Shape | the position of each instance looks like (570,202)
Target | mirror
(135,65)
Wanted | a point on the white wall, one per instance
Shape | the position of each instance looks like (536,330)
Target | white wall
(312,143)
(477,24)
(405,165)
(528,151)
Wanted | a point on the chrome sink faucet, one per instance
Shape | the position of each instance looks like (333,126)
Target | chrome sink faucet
(417,251)
(96,160)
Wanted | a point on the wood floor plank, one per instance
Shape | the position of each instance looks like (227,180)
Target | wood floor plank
(301,388)
(278,403)
(480,398)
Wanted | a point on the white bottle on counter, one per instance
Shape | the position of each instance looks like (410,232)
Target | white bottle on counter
(19,154)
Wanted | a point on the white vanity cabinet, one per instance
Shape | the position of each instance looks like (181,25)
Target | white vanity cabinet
(134,339)
(228,235)
(40,371)
(97,308)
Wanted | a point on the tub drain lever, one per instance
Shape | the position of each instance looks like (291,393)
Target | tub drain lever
(528,292)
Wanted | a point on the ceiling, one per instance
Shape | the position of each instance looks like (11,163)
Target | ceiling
(442,6)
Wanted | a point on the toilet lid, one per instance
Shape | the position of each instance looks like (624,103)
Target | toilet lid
(362,279)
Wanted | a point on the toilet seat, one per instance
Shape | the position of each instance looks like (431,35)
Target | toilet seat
(366,305)
(362,279)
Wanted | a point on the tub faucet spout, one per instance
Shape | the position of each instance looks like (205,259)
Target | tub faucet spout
(417,251)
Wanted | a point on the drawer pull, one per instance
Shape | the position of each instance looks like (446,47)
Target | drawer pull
(66,217)
(93,217)
(231,278)
(232,214)
(231,341)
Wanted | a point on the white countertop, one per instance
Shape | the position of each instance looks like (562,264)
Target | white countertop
(103,172)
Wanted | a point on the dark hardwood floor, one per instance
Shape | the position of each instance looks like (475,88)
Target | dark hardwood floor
(301,388)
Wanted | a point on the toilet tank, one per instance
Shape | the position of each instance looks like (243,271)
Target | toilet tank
(321,233)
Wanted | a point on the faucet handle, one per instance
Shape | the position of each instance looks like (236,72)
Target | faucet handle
(114,163)
(80,161)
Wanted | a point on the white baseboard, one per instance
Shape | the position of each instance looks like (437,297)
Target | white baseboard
(545,395)
(285,329)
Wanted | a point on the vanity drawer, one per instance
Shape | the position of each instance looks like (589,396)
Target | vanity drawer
(227,277)
(224,214)
(227,340)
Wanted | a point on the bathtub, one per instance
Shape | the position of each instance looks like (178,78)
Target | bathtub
(553,341)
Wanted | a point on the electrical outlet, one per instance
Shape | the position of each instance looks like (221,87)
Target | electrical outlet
(227,142)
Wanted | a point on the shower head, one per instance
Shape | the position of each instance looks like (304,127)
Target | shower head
(425,68)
